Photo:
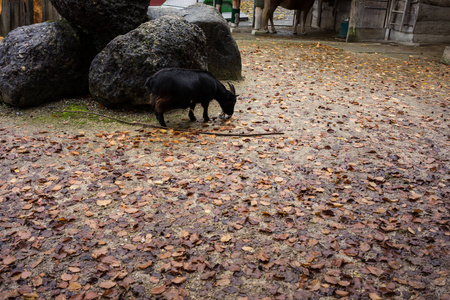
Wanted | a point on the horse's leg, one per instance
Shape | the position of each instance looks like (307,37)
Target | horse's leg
(297,20)
(305,10)
(271,22)
(304,15)
(265,21)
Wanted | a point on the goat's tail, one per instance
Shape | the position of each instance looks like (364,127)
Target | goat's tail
(149,84)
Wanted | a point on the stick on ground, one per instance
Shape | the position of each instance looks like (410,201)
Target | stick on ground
(145,125)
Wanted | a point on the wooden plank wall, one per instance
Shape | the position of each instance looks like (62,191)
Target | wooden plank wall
(16,13)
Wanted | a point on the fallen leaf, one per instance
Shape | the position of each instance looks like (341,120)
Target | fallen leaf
(262,256)
(145,265)
(225,238)
(103,202)
(158,290)
(375,271)
(374,296)
(9,260)
(179,280)
(74,286)
(107,284)
(99,252)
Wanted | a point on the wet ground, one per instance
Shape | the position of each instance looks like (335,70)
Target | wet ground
(351,202)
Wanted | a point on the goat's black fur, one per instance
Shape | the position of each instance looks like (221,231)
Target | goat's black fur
(173,88)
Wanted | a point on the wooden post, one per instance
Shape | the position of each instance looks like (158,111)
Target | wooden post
(257,16)
(351,33)
(5,18)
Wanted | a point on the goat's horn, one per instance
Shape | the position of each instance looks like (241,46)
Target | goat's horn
(232,89)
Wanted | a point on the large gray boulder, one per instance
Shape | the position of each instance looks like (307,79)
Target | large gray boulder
(224,58)
(155,12)
(103,19)
(446,56)
(42,63)
(118,73)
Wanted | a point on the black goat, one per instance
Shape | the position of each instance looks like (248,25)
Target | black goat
(182,88)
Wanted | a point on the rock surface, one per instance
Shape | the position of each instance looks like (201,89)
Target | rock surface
(155,12)
(446,56)
(224,58)
(42,63)
(103,19)
(118,73)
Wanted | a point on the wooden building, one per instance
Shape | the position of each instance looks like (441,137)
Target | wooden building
(413,21)
(15,13)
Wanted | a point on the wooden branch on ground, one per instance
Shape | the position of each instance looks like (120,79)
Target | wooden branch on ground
(145,125)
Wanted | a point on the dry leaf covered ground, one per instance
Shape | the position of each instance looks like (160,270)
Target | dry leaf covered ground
(350,203)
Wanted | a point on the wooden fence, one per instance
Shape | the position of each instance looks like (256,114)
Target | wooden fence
(16,13)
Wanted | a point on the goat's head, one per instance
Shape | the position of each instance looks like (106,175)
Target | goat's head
(230,100)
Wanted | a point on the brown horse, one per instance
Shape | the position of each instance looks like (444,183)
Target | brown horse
(301,6)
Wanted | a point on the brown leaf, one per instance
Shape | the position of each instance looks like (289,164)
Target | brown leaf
(56,188)
(144,265)
(24,235)
(37,281)
(9,260)
(107,284)
(374,296)
(74,286)
(103,202)
(25,274)
(66,277)
(375,271)
(419,285)
(314,285)
(99,252)
(158,290)
(131,210)
(168,159)
(130,247)
(91,295)
(394,264)
(330,279)
(223,282)
(262,256)
(414,196)
(364,247)
(318,266)
(36,263)
(179,280)
(207,275)
(351,251)
(225,238)
(74,269)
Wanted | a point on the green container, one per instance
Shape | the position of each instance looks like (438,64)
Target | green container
(343,30)
(227,5)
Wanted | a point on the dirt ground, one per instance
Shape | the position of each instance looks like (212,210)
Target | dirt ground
(351,202)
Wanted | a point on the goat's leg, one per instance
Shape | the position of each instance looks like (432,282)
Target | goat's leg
(191,112)
(205,111)
(160,118)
